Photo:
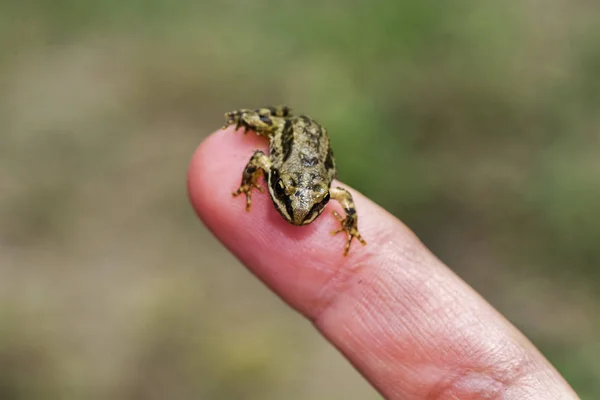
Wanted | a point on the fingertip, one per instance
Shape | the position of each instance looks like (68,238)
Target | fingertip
(297,260)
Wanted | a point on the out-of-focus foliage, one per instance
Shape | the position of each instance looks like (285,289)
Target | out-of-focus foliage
(476,122)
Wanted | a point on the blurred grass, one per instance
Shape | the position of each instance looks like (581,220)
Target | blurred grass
(476,122)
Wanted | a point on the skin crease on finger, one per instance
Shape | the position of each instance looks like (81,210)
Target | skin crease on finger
(402,318)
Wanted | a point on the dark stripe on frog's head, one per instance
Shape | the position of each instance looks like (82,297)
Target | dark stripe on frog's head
(283,203)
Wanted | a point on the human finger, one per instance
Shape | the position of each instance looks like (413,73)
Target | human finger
(405,320)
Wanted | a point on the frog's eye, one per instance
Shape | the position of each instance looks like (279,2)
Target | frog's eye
(280,187)
(265,119)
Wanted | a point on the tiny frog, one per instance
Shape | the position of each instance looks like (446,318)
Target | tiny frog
(298,170)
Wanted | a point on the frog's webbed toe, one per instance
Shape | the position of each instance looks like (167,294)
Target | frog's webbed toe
(349,223)
(258,165)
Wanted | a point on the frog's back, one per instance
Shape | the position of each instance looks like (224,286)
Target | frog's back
(304,144)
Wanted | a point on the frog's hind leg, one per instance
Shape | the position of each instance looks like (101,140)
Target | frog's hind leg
(350,221)
(264,121)
(258,165)
(279,111)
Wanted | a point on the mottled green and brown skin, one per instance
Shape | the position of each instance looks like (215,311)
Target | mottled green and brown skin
(298,170)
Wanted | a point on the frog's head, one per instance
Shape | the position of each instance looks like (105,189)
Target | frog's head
(298,199)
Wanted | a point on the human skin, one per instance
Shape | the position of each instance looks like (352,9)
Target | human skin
(397,313)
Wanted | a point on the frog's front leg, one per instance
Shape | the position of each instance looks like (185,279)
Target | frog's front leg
(350,222)
(259,164)
(264,121)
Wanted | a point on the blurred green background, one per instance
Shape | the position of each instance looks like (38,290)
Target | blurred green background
(474,121)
